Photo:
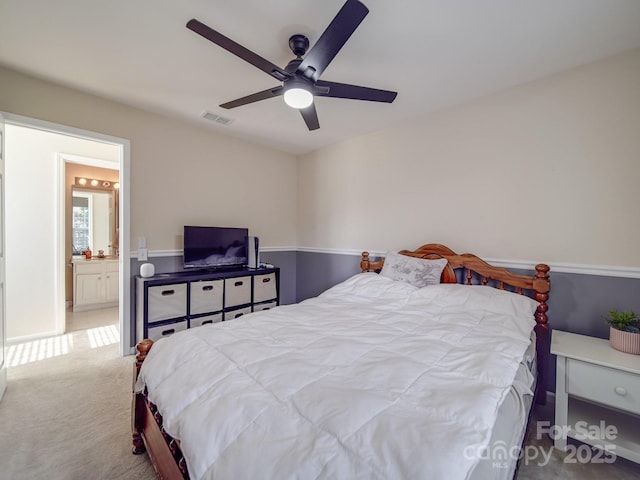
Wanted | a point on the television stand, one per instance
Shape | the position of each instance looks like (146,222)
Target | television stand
(170,302)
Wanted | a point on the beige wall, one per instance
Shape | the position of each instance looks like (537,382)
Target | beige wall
(180,174)
(545,171)
(548,171)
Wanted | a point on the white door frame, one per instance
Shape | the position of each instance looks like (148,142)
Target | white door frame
(125,198)
(3,310)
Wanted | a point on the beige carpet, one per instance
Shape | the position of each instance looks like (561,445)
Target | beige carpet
(67,415)
(547,463)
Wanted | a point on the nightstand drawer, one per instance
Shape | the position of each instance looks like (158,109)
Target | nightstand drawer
(604,385)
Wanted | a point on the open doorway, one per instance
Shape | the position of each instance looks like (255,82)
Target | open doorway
(39,256)
(91,225)
(91,230)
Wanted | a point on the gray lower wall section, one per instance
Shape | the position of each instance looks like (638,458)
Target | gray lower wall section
(577,303)
(288,273)
(318,271)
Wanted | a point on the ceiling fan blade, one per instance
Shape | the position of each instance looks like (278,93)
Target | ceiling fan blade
(354,92)
(238,50)
(310,117)
(254,97)
(332,39)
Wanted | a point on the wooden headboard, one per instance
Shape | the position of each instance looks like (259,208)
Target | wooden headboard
(476,269)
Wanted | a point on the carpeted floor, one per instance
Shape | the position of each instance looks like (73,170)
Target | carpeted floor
(66,411)
(546,463)
(66,414)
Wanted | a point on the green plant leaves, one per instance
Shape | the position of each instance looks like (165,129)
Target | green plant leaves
(627,321)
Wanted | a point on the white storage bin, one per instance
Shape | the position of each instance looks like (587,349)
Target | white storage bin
(157,332)
(265,306)
(167,301)
(206,296)
(237,291)
(198,322)
(237,313)
(264,287)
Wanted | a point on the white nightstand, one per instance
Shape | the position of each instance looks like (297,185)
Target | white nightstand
(596,387)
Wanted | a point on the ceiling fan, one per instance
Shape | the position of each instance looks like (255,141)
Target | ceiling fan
(301,77)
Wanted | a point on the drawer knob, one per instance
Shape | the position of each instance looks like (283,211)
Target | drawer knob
(266,280)
(207,288)
(620,391)
(238,284)
(168,292)
(169,332)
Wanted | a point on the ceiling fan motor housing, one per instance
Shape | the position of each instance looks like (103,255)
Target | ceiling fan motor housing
(299,44)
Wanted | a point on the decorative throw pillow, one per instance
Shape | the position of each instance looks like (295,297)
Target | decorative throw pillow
(418,272)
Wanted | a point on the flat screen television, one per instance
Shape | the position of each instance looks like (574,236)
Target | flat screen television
(215,247)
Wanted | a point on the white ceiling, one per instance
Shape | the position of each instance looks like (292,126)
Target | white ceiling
(435,54)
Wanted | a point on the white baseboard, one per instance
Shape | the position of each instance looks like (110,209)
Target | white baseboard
(32,338)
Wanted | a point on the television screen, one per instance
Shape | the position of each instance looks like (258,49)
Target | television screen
(215,247)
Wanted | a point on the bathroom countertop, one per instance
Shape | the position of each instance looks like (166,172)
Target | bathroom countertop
(80,258)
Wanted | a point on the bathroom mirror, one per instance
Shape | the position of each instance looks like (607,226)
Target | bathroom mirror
(94,221)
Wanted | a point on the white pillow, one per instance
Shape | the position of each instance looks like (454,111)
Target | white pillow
(418,272)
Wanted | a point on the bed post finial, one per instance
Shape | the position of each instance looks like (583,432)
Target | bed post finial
(541,285)
(143,347)
(364,263)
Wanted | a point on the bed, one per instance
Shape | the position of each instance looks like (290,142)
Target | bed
(375,378)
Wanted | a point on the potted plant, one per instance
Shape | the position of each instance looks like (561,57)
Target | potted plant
(624,331)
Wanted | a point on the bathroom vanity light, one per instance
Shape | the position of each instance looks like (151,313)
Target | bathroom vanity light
(96,183)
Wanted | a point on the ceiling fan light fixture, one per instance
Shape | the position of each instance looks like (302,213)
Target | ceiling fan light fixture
(300,79)
(297,97)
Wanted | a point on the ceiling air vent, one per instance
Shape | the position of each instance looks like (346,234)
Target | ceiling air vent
(217,118)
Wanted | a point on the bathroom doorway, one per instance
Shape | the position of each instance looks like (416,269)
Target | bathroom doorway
(37,288)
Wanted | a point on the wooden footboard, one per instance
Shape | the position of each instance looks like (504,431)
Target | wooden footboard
(147,432)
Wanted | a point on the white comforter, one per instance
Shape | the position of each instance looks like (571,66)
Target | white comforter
(373,379)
